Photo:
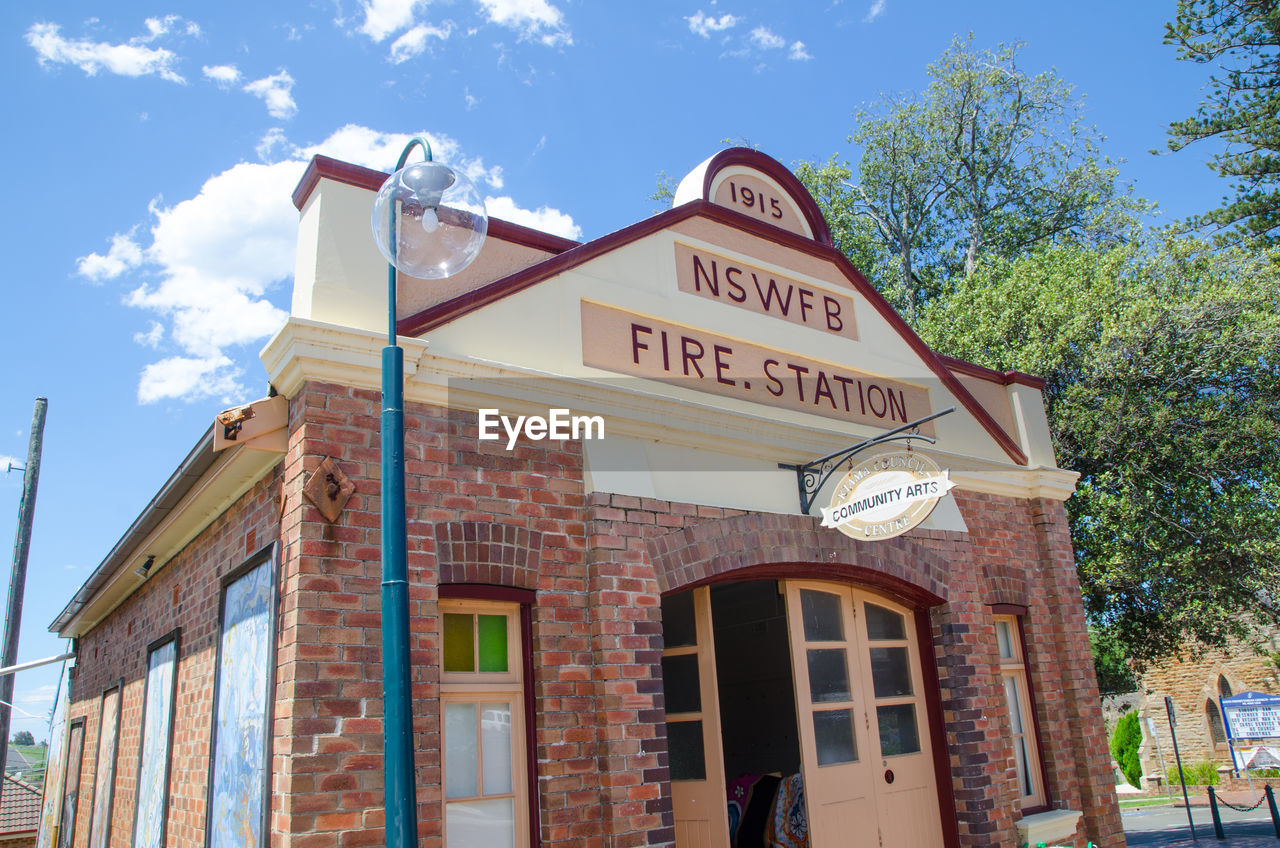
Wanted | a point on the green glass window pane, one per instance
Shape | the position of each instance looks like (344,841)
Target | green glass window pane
(493,642)
(679,625)
(459,642)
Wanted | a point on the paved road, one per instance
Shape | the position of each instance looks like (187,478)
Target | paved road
(1167,827)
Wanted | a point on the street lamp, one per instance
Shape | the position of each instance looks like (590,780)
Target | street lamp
(429,222)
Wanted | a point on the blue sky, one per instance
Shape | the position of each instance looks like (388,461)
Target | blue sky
(153,147)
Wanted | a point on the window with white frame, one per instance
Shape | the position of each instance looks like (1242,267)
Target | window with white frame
(482,721)
(1013,675)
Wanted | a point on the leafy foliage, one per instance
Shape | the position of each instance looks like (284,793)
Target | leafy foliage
(1110,663)
(23,737)
(1201,773)
(989,161)
(1242,109)
(1125,740)
(1163,392)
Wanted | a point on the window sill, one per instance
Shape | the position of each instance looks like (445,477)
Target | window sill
(1050,827)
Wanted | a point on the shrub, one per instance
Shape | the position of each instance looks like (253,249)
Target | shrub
(1124,747)
(1203,773)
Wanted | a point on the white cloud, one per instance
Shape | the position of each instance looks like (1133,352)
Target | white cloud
(217,261)
(543,218)
(277,92)
(471,100)
(704,25)
(383,17)
(123,255)
(414,41)
(876,10)
(532,19)
(274,138)
(223,75)
(373,149)
(129,60)
(217,256)
(152,337)
(7,462)
(190,378)
(765,39)
(798,53)
(157,27)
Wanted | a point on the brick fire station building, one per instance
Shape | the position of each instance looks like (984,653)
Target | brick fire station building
(630,636)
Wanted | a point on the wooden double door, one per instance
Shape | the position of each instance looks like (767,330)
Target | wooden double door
(856,734)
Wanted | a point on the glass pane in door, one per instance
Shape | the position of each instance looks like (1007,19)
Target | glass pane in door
(828,675)
(890,672)
(820,612)
(833,732)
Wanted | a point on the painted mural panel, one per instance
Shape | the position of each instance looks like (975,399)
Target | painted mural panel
(56,765)
(238,777)
(104,777)
(71,790)
(153,766)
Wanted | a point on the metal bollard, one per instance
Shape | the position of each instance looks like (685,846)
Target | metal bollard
(1275,815)
(1217,819)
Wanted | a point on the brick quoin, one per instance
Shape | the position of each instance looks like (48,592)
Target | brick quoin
(597,566)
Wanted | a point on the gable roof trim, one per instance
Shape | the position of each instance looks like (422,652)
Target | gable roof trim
(324,167)
(468,302)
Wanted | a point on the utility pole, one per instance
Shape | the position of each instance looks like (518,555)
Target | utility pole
(18,580)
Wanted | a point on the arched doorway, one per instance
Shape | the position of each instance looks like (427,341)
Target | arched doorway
(797,707)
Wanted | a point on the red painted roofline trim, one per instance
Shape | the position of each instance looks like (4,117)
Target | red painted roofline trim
(1003,378)
(324,167)
(779,172)
(468,302)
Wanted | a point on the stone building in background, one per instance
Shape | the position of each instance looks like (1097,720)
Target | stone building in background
(1195,681)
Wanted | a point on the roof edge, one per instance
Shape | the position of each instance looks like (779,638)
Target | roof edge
(443,313)
(325,167)
(991,375)
(197,463)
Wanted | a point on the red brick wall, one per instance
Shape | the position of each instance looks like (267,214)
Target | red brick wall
(183,593)
(598,565)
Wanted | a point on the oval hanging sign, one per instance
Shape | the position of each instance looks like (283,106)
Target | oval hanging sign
(886,496)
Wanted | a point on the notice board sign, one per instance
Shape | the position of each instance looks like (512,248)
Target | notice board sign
(1251,715)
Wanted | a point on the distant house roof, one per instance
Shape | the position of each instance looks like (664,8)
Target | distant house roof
(19,806)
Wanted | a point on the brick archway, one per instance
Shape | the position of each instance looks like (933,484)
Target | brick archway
(756,545)
(488,553)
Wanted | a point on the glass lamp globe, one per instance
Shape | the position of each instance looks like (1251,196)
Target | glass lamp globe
(429,221)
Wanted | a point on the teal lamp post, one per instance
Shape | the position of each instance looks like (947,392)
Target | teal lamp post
(429,222)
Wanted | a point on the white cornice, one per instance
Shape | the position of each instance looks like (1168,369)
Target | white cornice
(307,350)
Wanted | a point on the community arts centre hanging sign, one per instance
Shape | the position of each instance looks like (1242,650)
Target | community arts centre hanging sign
(886,496)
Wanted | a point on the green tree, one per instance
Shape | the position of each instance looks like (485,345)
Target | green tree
(23,737)
(1111,663)
(1162,368)
(1241,37)
(1125,740)
(988,161)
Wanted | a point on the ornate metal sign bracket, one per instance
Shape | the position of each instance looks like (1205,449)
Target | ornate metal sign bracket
(812,476)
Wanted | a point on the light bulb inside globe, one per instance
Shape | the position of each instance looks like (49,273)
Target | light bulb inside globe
(429,220)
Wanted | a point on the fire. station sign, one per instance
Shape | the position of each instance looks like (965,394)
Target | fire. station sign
(886,496)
